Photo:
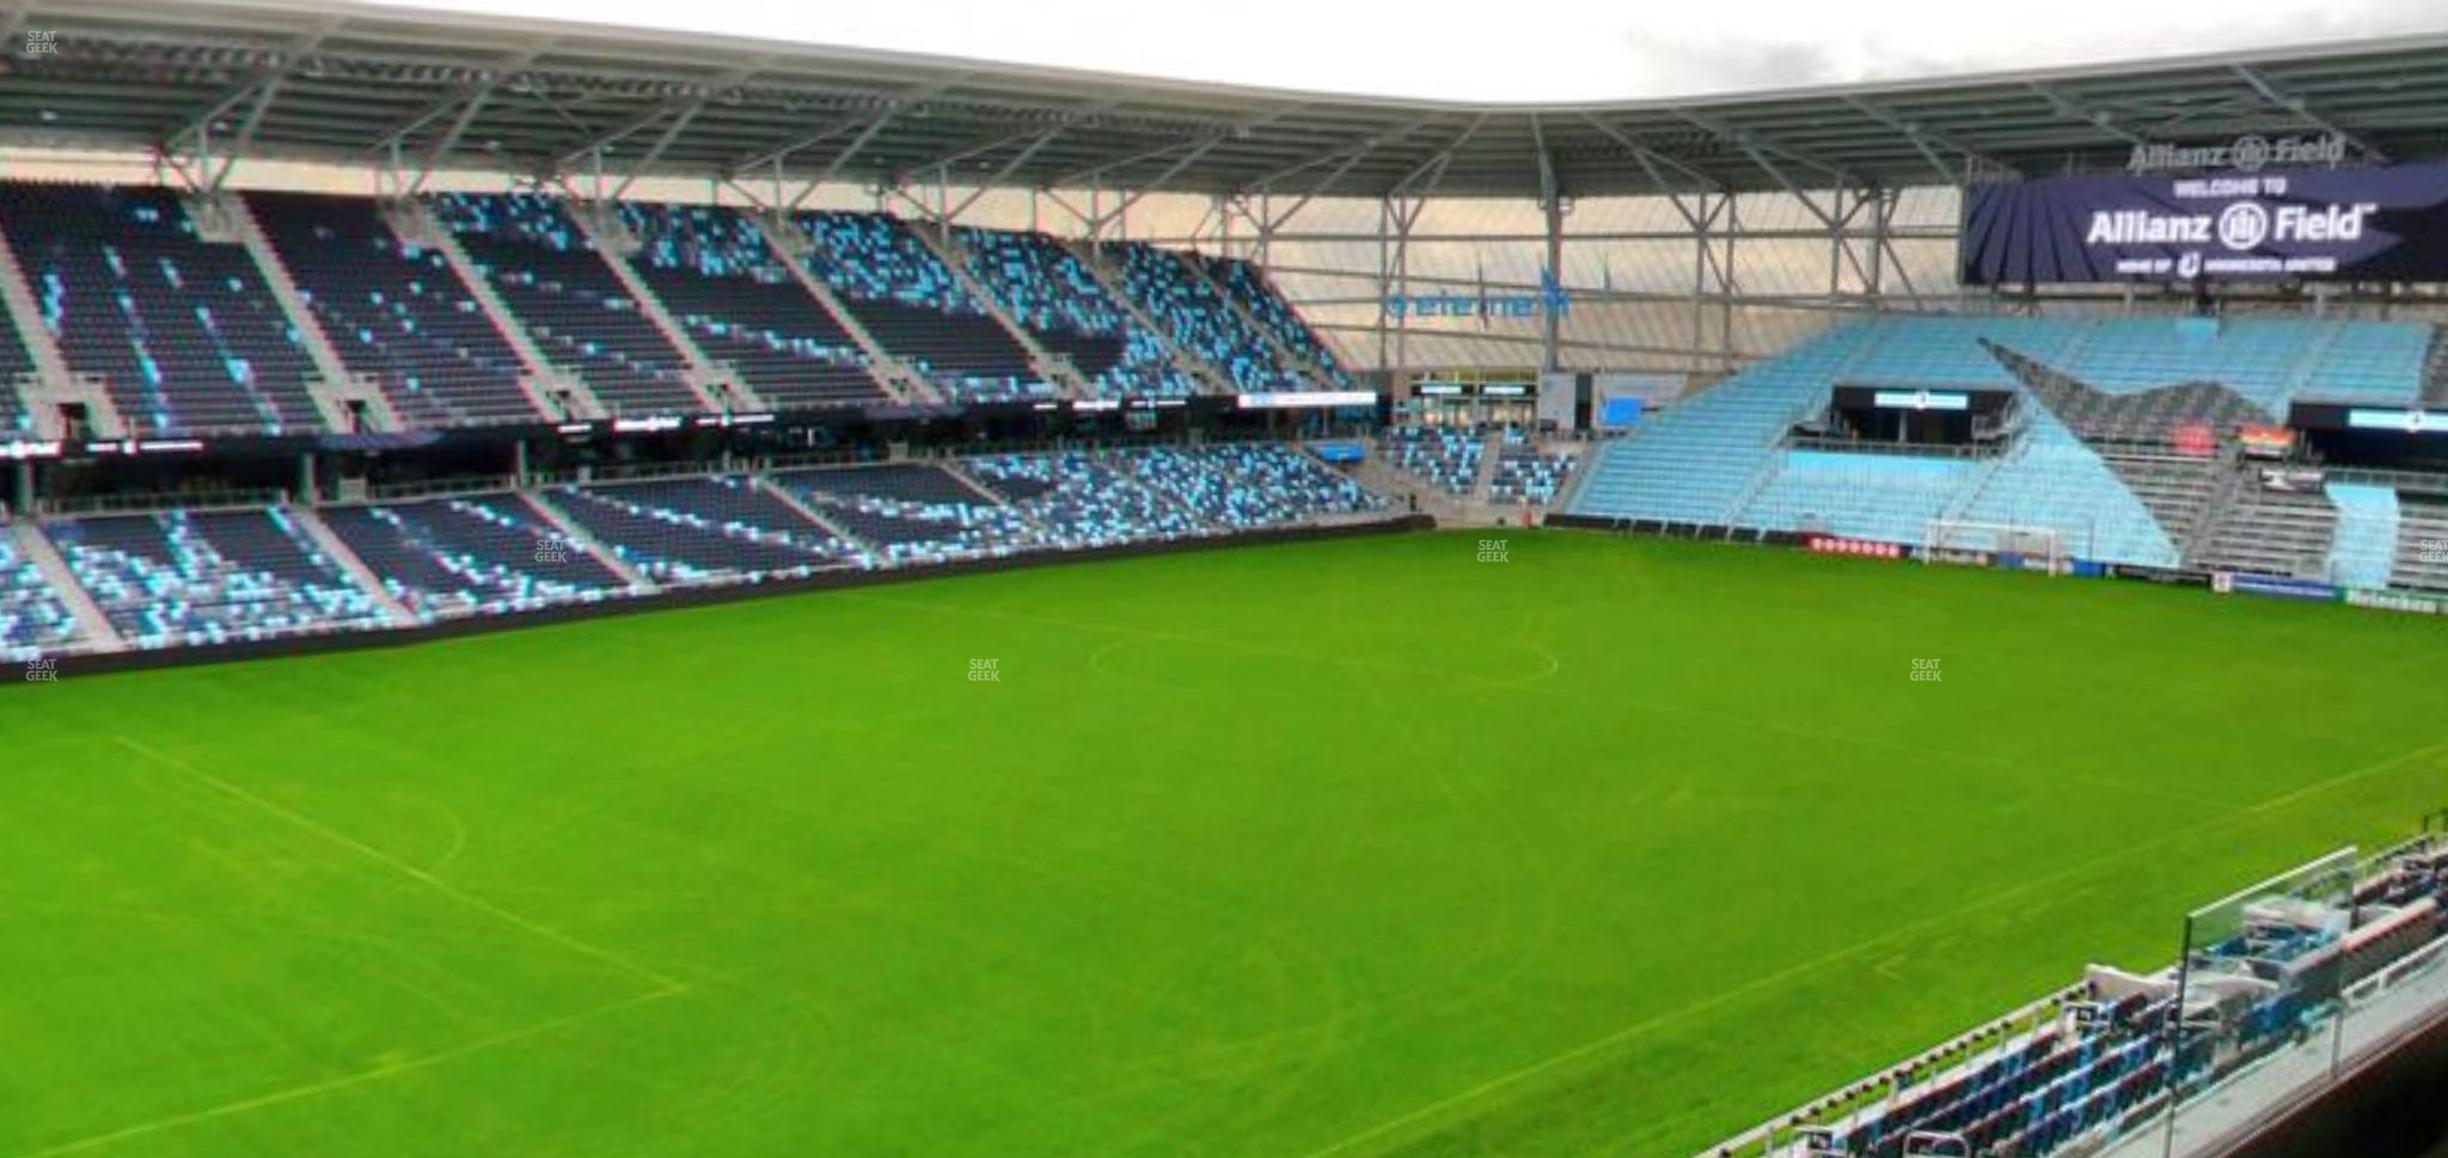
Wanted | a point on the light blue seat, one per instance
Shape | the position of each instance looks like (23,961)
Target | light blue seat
(1891,498)
(33,621)
(2366,542)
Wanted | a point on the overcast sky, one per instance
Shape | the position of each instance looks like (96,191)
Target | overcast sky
(1520,49)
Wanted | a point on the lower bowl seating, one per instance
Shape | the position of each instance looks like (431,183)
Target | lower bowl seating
(703,530)
(480,555)
(178,579)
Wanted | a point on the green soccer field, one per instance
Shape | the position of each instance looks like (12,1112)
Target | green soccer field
(1351,848)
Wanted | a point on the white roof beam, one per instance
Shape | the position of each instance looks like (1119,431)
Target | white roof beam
(2303,110)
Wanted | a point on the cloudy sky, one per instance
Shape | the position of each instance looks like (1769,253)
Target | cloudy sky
(1521,49)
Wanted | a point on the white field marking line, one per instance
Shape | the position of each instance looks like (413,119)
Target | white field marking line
(459,832)
(362,1077)
(421,876)
(1660,1021)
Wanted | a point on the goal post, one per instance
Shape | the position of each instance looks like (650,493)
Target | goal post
(2023,546)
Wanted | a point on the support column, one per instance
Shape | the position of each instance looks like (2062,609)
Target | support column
(307,492)
(1725,321)
(1700,268)
(22,500)
(1551,323)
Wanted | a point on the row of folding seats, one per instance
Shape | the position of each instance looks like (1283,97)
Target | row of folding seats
(913,513)
(2372,361)
(16,364)
(32,618)
(914,306)
(183,333)
(1239,488)
(1196,318)
(2051,479)
(724,529)
(1446,459)
(1047,289)
(550,276)
(2364,545)
(1526,473)
(1258,294)
(395,311)
(2037,1098)
(1081,501)
(718,277)
(480,555)
(1294,485)
(183,578)
(187,578)
(1692,463)
(1888,498)
(2421,556)
(2076,1105)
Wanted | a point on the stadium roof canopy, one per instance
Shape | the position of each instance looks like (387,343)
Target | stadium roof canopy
(353,83)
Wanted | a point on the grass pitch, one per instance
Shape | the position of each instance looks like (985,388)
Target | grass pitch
(1315,851)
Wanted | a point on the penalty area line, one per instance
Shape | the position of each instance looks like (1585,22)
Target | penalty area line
(663,984)
(346,1081)
(1444,1107)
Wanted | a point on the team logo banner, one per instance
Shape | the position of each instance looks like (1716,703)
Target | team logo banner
(2387,224)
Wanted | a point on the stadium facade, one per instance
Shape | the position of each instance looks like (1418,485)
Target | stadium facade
(327,321)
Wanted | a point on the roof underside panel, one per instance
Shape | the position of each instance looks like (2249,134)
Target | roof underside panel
(354,84)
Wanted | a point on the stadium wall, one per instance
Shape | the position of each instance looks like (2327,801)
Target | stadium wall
(102,663)
(2389,1107)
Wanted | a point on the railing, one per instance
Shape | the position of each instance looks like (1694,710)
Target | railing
(2263,1072)
(806,459)
(1763,1139)
(1893,449)
(208,500)
(624,472)
(2420,482)
(434,488)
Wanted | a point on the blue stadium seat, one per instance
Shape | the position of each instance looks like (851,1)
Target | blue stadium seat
(915,307)
(181,578)
(1200,320)
(719,278)
(1048,290)
(183,333)
(480,555)
(396,311)
(583,318)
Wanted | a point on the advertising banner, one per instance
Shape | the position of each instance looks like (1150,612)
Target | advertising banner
(2360,224)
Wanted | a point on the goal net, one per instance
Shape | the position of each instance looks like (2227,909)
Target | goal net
(2018,545)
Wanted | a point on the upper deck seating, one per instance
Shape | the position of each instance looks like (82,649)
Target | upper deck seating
(914,307)
(581,316)
(719,278)
(396,311)
(1199,320)
(1258,294)
(1047,289)
(183,333)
